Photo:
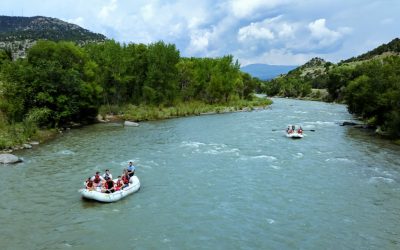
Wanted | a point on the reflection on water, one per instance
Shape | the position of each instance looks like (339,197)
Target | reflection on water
(231,181)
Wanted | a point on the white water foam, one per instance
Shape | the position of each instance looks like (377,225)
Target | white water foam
(274,167)
(66,152)
(380,179)
(192,144)
(298,155)
(211,148)
(319,123)
(266,157)
(339,159)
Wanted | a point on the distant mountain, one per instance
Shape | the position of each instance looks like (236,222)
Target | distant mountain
(393,47)
(20,33)
(265,71)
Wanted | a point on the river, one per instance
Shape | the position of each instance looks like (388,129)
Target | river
(226,181)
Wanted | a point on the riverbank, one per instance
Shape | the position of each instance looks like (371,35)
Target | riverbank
(15,137)
(150,113)
(319,95)
(22,136)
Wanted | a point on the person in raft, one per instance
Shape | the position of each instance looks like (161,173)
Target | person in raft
(300,130)
(97,179)
(119,184)
(125,178)
(131,169)
(109,186)
(89,184)
(107,175)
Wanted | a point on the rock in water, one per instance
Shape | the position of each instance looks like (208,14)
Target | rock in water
(9,158)
(132,124)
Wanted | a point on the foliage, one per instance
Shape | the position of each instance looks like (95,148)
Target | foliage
(54,77)
(374,93)
(60,83)
(287,87)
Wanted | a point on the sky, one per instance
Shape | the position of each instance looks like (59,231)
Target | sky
(276,32)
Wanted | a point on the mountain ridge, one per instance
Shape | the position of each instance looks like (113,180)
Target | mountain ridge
(20,33)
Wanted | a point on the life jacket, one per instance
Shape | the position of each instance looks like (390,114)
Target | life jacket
(96,179)
(109,183)
(300,131)
(89,184)
(120,183)
(125,179)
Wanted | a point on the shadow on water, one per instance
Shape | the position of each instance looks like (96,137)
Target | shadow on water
(368,138)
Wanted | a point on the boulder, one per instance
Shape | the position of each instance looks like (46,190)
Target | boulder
(132,124)
(348,124)
(27,146)
(34,143)
(9,158)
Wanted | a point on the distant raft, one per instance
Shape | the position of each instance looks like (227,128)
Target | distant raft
(294,135)
(294,132)
(134,186)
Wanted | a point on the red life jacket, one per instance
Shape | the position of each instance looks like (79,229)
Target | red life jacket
(120,183)
(89,184)
(125,179)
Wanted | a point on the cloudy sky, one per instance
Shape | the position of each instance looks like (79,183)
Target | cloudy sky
(279,32)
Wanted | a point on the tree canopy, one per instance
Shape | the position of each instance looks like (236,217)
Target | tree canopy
(60,82)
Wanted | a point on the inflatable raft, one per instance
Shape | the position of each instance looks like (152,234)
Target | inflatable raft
(294,135)
(134,185)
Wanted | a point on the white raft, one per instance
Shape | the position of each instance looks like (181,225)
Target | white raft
(294,135)
(134,185)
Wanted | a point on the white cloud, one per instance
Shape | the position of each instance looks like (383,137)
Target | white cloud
(268,29)
(254,31)
(199,41)
(147,12)
(106,10)
(277,57)
(286,31)
(246,8)
(324,35)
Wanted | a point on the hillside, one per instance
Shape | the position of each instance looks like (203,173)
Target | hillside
(393,47)
(20,33)
(265,71)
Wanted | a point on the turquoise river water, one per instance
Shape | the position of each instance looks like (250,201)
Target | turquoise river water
(225,181)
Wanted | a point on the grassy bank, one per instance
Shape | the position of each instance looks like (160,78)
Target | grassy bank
(150,113)
(13,136)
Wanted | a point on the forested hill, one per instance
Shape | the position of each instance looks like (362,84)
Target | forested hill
(368,84)
(20,33)
(39,27)
(392,47)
